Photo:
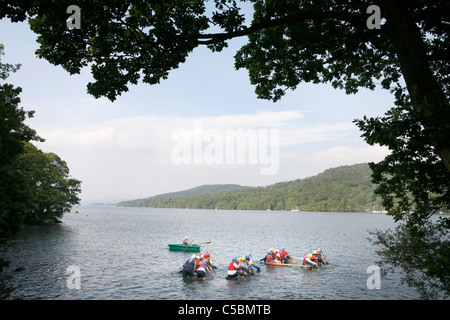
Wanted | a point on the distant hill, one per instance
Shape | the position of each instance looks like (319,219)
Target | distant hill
(194,192)
(345,188)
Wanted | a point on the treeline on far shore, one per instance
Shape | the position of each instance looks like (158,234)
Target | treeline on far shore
(343,189)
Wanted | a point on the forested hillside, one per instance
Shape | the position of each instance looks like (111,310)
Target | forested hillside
(346,188)
(197,191)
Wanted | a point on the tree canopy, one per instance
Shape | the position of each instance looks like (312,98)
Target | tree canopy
(35,187)
(53,190)
(14,196)
(289,42)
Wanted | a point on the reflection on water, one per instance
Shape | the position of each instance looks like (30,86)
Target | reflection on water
(122,253)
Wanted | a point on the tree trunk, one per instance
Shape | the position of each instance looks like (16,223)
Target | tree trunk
(427,96)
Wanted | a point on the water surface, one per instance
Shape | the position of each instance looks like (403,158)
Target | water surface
(122,253)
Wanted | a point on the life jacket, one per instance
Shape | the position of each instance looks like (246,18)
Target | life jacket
(281,253)
(269,258)
(234,266)
(201,268)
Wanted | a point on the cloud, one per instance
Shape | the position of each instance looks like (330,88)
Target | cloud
(132,157)
(346,154)
(300,134)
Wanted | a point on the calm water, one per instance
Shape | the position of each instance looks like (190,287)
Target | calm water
(122,253)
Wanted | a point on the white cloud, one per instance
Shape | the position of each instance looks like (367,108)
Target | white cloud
(132,157)
(346,154)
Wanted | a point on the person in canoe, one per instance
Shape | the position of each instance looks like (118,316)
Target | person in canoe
(185,241)
(189,267)
(202,271)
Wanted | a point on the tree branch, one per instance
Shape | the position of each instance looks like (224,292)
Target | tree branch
(301,16)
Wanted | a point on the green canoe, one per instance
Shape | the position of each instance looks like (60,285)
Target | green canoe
(185,248)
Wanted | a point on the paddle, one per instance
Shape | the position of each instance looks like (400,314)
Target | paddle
(203,242)
(256,267)
(188,246)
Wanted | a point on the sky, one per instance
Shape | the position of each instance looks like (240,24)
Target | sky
(183,132)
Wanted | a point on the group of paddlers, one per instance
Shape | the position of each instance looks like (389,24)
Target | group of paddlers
(310,259)
(277,256)
(314,259)
(241,266)
(199,265)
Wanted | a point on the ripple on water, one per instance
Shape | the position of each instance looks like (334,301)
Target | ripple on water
(124,255)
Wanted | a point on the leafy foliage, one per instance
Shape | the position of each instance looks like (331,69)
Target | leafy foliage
(53,191)
(412,180)
(14,196)
(34,186)
(422,253)
(197,191)
(413,183)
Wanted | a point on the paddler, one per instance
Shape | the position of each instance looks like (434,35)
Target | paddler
(233,268)
(321,256)
(268,258)
(308,260)
(210,264)
(285,257)
(185,241)
(244,267)
(189,266)
(198,262)
(202,270)
(249,263)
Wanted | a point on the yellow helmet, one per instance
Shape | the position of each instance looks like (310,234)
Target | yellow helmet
(315,252)
(241,258)
(310,255)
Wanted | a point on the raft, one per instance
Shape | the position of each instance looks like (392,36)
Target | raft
(185,248)
(286,265)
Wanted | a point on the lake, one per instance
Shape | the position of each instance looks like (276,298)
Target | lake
(122,253)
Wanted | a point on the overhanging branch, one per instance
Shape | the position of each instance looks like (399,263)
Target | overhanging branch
(351,18)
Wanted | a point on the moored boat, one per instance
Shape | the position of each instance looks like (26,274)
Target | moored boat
(185,248)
